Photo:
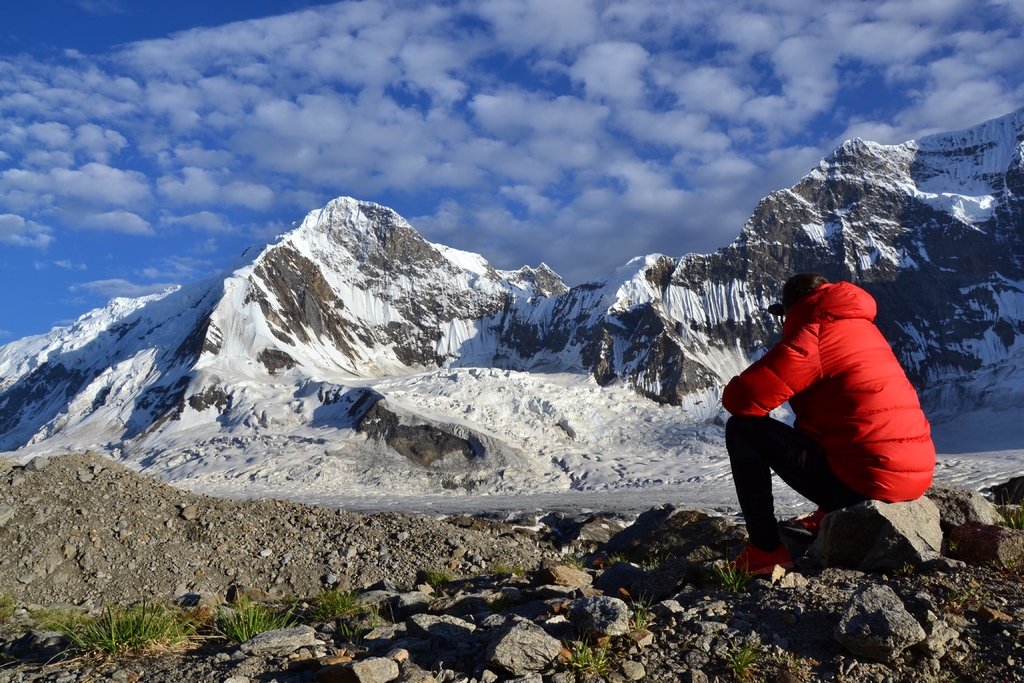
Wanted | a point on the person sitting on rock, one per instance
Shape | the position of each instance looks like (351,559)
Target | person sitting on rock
(859,433)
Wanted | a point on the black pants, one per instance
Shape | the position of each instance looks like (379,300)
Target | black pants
(758,445)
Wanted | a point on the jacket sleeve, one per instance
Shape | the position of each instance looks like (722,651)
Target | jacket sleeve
(787,369)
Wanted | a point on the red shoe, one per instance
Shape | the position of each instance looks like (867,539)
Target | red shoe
(755,561)
(802,529)
(812,521)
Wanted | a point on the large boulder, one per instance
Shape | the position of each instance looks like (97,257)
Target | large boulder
(876,536)
(679,533)
(987,543)
(447,630)
(959,506)
(1009,493)
(644,525)
(876,625)
(619,576)
(666,580)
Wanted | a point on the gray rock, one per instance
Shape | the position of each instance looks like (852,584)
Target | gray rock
(450,630)
(376,597)
(666,580)
(37,463)
(633,671)
(528,678)
(876,625)
(958,506)
(371,670)
(282,641)
(6,514)
(42,640)
(521,647)
(462,605)
(600,614)
(407,604)
(598,530)
(1009,493)
(618,576)
(940,636)
(876,536)
(564,575)
(644,524)
(987,543)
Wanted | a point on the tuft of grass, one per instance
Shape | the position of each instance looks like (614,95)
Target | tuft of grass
(743,660)
(6,607)
(1012,516)
(906,570)
(501,568)
(789,663)
(642,616)
(584,659)
(437,577)
(653,562)
(732,579)
(249,618)
(145,627)
(335,603)
(502,601)
(354,630)
(576,562)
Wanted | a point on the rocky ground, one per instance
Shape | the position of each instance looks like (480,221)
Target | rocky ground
(549,600)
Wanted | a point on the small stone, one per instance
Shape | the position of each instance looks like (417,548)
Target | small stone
(633,671)
(372,670)
(992,614)
(6,514)
(280,642)
(602,615)
(564,575)
(642,638)
(189,512)
(37,463)
(399,655)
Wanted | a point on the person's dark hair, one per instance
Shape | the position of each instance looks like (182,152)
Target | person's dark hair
(798,286)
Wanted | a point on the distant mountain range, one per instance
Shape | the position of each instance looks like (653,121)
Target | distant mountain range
(933,228)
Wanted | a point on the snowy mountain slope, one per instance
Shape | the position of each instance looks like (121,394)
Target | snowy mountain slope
(275,374)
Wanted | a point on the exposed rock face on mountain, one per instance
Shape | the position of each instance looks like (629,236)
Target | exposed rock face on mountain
(933,229)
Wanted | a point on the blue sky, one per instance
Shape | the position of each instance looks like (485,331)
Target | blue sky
(146,143)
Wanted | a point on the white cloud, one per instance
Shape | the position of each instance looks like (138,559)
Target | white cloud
(206,221)
(93,183)
(67,264)
(16,231)
(118,221)
(501,121)
(119,288)
(612,71)
(180,268)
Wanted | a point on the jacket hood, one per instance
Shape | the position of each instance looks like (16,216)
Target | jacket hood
(836,301)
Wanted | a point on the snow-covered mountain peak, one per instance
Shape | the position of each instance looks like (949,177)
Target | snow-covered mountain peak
(352,307)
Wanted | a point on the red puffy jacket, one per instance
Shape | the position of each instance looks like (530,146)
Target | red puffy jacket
(848,391)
